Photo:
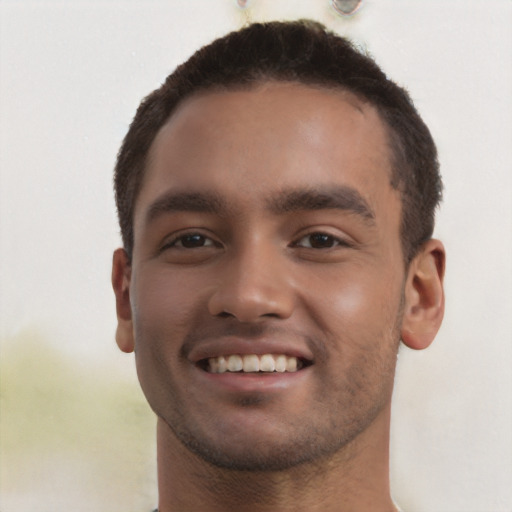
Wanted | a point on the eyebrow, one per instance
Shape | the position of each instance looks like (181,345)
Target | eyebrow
(339,197)
(201,202)
(287,201)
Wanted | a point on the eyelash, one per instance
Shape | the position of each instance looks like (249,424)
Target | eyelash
(177,241)
(335,241)
(332,241)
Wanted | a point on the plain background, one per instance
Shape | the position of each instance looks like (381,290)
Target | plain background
(75,430)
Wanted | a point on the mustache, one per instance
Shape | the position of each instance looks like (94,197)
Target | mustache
(248,331)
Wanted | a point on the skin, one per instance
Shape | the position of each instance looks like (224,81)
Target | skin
(266,223)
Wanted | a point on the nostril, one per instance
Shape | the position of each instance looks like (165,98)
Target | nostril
(248,302)
(271,315)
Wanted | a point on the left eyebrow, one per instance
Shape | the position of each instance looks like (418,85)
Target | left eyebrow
(185,202)
(330,198)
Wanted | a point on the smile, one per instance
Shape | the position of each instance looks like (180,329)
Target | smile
(253,363)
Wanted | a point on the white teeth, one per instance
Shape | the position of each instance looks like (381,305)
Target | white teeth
(235,363)
(214,365)
(280,364)
(291,364)
(223,364)
(267,363)
(252,363)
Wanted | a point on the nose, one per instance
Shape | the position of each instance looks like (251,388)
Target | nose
(252,285)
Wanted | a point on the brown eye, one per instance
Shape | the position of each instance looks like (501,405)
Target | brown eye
(319,241)
(190,241)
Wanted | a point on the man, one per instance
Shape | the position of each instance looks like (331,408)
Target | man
(276,198)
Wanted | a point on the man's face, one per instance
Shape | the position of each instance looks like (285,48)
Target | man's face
(266,226)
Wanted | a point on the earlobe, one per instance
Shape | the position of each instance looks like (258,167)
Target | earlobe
(121,275)
(424,296)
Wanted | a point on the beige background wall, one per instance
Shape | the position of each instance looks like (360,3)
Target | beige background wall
(75,432)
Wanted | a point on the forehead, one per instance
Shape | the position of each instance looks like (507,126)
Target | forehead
(248,143)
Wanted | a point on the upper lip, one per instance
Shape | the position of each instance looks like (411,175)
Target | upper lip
(226,346)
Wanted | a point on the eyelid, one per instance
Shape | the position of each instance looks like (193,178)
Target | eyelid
(340,240)
(179,235)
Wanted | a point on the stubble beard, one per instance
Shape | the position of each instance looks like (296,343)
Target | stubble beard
(312,438)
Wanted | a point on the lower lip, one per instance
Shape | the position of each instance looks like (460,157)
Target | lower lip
(254,382)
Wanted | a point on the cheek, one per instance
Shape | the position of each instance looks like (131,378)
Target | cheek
(357,311)
(361,328)
(162,312)
(163,307)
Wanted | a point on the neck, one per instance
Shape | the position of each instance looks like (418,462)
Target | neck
(356,478)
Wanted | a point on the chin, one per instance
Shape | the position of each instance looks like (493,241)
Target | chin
(277,458)
(267,451)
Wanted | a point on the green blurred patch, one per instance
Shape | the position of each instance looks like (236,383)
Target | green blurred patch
(60,419)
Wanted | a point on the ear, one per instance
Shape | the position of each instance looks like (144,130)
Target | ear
(424,296)
(121,275)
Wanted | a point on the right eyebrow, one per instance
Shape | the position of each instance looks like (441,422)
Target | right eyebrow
(334,197)
(184,202)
